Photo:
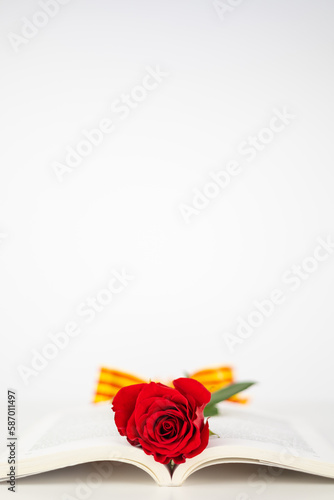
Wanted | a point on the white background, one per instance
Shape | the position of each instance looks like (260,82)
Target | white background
(120,208)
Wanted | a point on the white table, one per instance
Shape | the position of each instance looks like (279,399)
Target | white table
(231,481)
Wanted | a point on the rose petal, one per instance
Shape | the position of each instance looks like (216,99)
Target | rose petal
(167,431)
(158,406)
(124,404)
(154,390)
(189,386)
(131,431)
(180,459)
(204,439)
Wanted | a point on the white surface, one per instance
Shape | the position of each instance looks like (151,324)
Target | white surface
(217,482)
(238,482)
(120,207)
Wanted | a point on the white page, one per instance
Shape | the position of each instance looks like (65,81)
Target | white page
(245,428)
(86,426)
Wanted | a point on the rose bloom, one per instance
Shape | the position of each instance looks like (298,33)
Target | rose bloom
(167,423)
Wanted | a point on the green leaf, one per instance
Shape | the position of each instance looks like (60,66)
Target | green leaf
(227,392)
(211,433)
(210,411)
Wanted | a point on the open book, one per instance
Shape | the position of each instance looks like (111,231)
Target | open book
(89,434)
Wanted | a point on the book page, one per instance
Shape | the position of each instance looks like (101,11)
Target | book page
(92,424)
(84,427)
(260,431)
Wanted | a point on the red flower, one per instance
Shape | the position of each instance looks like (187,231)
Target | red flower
(167,423)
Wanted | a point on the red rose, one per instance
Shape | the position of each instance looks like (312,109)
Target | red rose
(167,423)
